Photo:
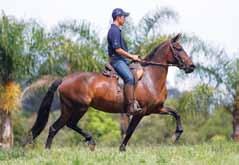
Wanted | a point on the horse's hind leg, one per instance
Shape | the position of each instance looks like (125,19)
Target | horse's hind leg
(172,112)
(72,123)
(58,124)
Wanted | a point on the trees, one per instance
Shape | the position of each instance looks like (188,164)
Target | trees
(221,71)
(17,61)
(144,36)
(74,46)
(69,47)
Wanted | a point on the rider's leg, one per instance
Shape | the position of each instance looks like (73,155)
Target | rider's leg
(123,70)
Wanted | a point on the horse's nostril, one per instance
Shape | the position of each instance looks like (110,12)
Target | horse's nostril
(192,66)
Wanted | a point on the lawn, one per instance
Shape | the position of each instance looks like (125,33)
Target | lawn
(226,153)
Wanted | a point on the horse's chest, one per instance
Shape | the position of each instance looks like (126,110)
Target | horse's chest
(157,98)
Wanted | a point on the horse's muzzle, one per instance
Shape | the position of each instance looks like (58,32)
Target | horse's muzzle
(190,68)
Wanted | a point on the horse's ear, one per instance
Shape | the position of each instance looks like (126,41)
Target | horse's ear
(176,38)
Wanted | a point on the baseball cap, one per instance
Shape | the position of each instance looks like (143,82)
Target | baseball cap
(119,12)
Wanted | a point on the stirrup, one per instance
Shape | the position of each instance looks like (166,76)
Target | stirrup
(136,108)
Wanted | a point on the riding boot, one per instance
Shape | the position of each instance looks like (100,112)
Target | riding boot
(132,105)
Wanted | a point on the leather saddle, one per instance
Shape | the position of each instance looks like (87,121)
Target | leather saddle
(135,68)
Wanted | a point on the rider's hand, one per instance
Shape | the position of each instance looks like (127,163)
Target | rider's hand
(135,58)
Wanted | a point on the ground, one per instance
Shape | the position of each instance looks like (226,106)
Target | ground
(208,153)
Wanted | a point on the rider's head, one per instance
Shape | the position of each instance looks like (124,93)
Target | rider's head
(119,16)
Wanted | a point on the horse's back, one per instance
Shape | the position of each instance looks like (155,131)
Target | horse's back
(90,88)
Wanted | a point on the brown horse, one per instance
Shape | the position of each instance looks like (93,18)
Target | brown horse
(81,90)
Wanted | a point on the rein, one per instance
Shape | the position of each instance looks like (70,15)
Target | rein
(143,62)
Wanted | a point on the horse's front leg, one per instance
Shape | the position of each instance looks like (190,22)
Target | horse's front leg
(172,112)
(132,125)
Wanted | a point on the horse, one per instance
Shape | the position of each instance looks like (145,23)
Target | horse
(79,91)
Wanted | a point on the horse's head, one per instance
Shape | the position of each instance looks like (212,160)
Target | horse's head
(176,55)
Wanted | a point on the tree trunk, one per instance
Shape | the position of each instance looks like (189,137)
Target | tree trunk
(235,115)
(6,131)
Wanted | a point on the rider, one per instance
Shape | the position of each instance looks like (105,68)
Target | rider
(118,52)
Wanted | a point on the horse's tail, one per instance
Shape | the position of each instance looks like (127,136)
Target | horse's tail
(44,110)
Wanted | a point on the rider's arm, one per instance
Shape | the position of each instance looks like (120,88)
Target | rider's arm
(123,53)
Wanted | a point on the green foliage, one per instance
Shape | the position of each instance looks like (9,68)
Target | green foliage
(218,125)
(18,40)
(232,79)
(103,126)
(154,129)
(19,127)
(196,102)
(75,46)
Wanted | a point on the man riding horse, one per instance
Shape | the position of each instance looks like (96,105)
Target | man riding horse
(118,53)
(81,90)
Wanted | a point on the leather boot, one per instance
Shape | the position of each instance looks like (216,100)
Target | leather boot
(132,106)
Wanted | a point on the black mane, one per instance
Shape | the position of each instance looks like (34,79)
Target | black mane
(152,53)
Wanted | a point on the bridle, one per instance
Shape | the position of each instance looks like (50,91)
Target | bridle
(175,52)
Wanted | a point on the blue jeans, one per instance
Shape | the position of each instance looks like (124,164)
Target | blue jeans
(123,70)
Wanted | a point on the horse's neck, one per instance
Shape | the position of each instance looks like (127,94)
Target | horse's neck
(156,77)
(158,74)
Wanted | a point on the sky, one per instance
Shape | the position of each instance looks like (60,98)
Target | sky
(216,21)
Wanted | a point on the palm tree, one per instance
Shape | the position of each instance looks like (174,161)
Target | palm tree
(17,60)
(74,46)
(216,68)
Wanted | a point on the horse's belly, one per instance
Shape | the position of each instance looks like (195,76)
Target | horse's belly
(108,100)
(108,106)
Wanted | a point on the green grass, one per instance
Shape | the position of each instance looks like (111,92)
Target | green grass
(226,153)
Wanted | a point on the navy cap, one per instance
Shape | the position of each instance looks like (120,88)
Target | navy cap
(119,12)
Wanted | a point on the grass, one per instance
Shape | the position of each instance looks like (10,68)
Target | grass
(226,153)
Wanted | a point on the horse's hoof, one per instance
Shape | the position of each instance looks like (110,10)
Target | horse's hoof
(174,138)
(177,135)
(122,148)
(47,147)
(91,145)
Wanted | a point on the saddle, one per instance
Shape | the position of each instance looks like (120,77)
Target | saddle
(135,68)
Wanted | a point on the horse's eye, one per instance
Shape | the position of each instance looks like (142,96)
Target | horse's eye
(178,48)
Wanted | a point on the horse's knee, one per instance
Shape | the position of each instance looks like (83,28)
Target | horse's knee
(52,131)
